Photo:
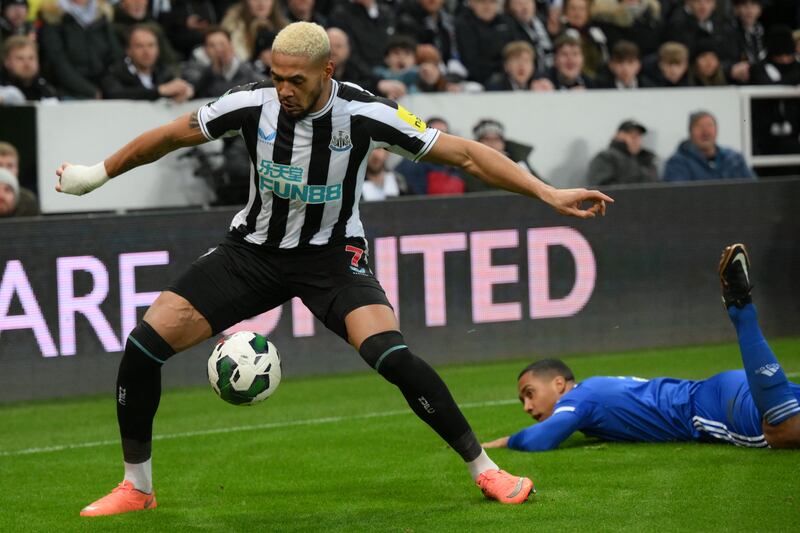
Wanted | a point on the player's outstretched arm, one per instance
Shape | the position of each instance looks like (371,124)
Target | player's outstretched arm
(496,169)
(146,148)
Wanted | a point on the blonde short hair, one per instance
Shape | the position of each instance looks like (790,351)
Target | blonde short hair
(304,39)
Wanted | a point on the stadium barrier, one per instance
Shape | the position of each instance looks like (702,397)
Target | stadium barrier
(566,131)
(474,278)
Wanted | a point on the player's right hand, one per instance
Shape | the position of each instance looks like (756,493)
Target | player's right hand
(80,179)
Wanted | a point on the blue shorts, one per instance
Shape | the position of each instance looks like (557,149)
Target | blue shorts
(724,410)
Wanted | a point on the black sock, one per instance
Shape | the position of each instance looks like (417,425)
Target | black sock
(423,389)
(139,390)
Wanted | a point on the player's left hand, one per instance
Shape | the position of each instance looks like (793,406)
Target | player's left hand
(502,442)
(570,202)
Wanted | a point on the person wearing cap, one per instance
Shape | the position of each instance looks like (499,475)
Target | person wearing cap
(625,160)
(14,19)
(701,158)
(15,201)
(224,71)
(492,133)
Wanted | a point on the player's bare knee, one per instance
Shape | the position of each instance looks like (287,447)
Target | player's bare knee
(783,435)
(177,321)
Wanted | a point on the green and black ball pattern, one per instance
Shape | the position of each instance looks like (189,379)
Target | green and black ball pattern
(228,374)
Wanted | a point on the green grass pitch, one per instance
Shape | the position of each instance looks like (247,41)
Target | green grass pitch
(345,454)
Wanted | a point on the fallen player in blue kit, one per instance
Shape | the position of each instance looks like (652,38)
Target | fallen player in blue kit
(755,407)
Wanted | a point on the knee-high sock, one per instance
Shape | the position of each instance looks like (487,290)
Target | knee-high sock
(423,389)
(768,384)
(139,391)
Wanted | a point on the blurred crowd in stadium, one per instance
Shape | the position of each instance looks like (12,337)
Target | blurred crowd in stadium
(184,49)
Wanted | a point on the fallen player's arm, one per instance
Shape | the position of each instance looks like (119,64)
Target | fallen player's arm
(540,437)
(499,171)
(146,148)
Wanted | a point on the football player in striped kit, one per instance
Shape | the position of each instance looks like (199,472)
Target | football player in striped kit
(300,235)
(755,407)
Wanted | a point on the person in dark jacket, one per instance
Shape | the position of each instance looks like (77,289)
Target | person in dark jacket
(225,70)
(482,31)
(530,27)
(186,23)
(624,161)
(566,74)
(624,69)
(638,21)
(78,45)
(14,19)
(349,68)
(672,68)
(749,29)
(429,23)
(21,69)
(130,13)
(139,77)
(701,158)
(368,25)
(701,21)
(776,121)
(594,42)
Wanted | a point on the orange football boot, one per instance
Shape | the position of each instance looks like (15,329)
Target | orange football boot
(501,486)
(123,499)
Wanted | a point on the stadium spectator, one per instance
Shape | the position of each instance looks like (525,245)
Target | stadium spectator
(776,122)
(706,66)
(381,183)
(519,67)
(23,202)
(303,10)
(672,69)
(399,61)
(431,178)
(14,20)
(429,23)
(756,406)
(701,22)
(492,133)
(593,41)
(638,21)
(262,52)
(430,77)
(224,71)
(624,69)
(186,23)
(245,18)
(138,76)
(532,29)
(749,29)
(78,45)
(625,160)
(482,31)
(567,71)
(21,69)
(130,13)
(368,24)
(349,68)
(701,158)
(796,37)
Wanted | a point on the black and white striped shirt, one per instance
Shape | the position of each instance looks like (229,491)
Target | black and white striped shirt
(307,175)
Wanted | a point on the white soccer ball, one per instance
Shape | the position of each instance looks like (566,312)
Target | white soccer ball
(244,368)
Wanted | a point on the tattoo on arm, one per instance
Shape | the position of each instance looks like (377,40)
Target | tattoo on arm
(194,122)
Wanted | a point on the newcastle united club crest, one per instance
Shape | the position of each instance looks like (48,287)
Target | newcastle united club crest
(340,142)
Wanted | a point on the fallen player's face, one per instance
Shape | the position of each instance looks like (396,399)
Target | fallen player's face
(300,82)
(539,395)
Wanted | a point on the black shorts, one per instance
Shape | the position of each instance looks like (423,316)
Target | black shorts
(239,280)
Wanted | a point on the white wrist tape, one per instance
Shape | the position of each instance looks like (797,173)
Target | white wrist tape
(80,179)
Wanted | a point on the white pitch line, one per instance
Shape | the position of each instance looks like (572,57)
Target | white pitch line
(234,429)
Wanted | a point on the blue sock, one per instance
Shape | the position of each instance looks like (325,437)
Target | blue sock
(768,384)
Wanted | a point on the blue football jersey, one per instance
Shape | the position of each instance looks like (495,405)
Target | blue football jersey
(616,409)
